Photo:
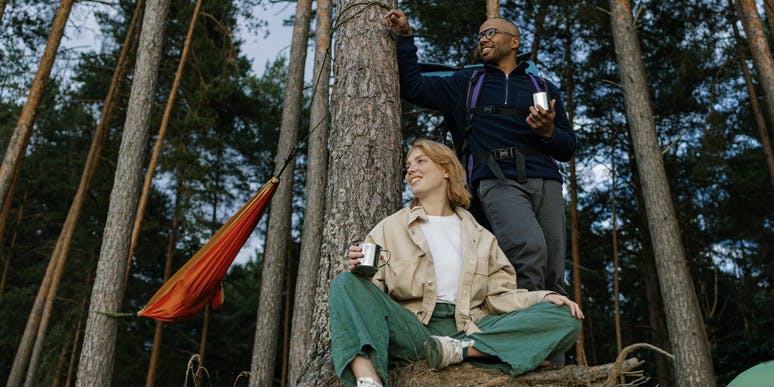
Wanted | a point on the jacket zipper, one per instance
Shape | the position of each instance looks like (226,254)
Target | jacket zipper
(506,89)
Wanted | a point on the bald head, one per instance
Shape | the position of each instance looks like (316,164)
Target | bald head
(501,24)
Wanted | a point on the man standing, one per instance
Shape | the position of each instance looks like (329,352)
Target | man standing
(510,146)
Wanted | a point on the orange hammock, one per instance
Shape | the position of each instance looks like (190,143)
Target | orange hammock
(197,283)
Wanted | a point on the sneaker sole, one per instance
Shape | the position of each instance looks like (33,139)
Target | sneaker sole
(433,352)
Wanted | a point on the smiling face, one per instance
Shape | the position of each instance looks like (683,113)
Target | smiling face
(501,47)
(424,177)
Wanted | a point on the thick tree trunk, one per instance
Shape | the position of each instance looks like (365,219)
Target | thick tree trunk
(62,247)
(686,328)
(96,363)
(365,118)
(17,145)
(760,122)
(150,377)
(492,8)
(759,48)
(146,186)
(316,180)
(278,232)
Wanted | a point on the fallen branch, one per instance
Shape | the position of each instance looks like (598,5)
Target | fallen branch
(615,372)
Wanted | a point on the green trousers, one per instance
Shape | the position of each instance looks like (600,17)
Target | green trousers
(365,321)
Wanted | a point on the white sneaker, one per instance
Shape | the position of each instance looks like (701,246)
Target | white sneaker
(443,351)
(367,382)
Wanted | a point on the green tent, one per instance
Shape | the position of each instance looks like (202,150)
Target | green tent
(761,375)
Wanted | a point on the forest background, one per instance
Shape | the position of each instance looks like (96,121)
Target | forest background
(222,144)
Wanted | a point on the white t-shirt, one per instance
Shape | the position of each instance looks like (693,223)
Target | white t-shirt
(444,235)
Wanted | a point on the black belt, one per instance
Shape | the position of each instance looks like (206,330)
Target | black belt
(516,153)
(499,110)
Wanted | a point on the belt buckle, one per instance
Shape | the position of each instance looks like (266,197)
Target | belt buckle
(489,109)
(502,153)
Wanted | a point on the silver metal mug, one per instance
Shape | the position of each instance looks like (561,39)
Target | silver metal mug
(369,264)
(540,99)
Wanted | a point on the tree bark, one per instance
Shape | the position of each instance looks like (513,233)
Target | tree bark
(768,7)
(3,3)
(316,180)
(150,377)
(17,145)
(759,48)
(278,232)
(62,247)
(647,264)
(540,21)
(365,118)
(492,8)
(12,244)
(614,234)
(686,328)
(96,361)
(74,350)
(760,122)
(146,186)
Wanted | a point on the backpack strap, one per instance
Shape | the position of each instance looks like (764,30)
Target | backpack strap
(475,84)
(537,85)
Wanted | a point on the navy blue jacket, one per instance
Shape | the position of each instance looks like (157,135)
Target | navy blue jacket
(489,131)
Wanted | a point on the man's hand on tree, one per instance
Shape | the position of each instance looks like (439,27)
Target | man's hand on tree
(397,20)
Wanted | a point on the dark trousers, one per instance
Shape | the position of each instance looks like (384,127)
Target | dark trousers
(528,222)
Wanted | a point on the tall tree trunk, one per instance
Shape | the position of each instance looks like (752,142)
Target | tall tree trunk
(614,234)
(540,21)
(580,351)
(492,8)
(12,244)
(62,247)
(17,145)
(647,264)
(759,48)
(207,309)
(60,362)
(693,361)
(96,362)
(367,119)
(763,132)
(203,345)
(170,254)
(3,3)
(286,320)
(146,187)
(768,7)
(74,351)
(316,180)
(278,232)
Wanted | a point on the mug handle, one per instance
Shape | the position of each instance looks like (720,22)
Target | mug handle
(389,255)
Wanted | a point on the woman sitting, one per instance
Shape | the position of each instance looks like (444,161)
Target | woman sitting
(447,292)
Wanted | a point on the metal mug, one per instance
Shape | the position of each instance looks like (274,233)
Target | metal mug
(369,264)
(540,99)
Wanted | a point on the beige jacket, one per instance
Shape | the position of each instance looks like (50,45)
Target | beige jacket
(487,282)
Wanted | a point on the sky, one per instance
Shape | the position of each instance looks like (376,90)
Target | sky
(83,34)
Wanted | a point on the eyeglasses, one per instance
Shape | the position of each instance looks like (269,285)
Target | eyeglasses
(489,33)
